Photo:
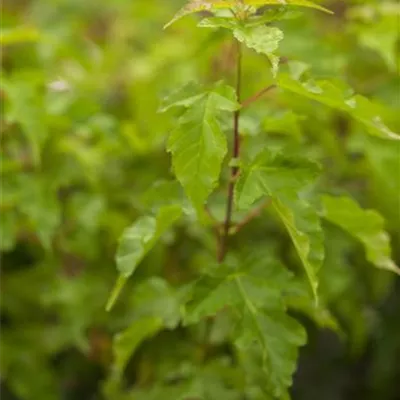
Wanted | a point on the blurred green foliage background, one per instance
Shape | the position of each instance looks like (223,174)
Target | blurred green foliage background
(81,144)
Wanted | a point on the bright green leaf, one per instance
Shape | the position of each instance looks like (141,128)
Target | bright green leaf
(365,225)
(198,145)
(263,39)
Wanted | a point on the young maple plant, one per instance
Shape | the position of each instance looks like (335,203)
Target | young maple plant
(245,284)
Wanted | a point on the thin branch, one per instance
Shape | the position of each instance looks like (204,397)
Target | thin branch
(256,96)
(250,216)
(223,246)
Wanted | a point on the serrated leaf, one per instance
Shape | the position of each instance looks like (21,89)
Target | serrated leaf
(327,93)
(263,39)
(276,175)
(137,240)
(198,145)
(365,225)
(275,356)
(304,228)
(283,179)
(254,293)
(194,6)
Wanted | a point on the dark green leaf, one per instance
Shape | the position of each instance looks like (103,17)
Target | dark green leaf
(254,293)
(283,179)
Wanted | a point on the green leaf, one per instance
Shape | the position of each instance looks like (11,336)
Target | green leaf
(194,6)
(332,95)
(365,225)
(276,175)
(254,293)
(263,39)
(301,3)
(126,342)
(304,228)
(276,353)
(197,144)
(283,178)
(137,241)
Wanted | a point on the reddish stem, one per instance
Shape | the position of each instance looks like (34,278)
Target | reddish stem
(256,96)
(223,246)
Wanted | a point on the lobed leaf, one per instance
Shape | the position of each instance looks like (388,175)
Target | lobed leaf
(254,292)
(283,179)
(365,225)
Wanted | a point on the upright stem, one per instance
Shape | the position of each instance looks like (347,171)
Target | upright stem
(236,153)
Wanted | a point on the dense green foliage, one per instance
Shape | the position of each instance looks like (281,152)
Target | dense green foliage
(240,170)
